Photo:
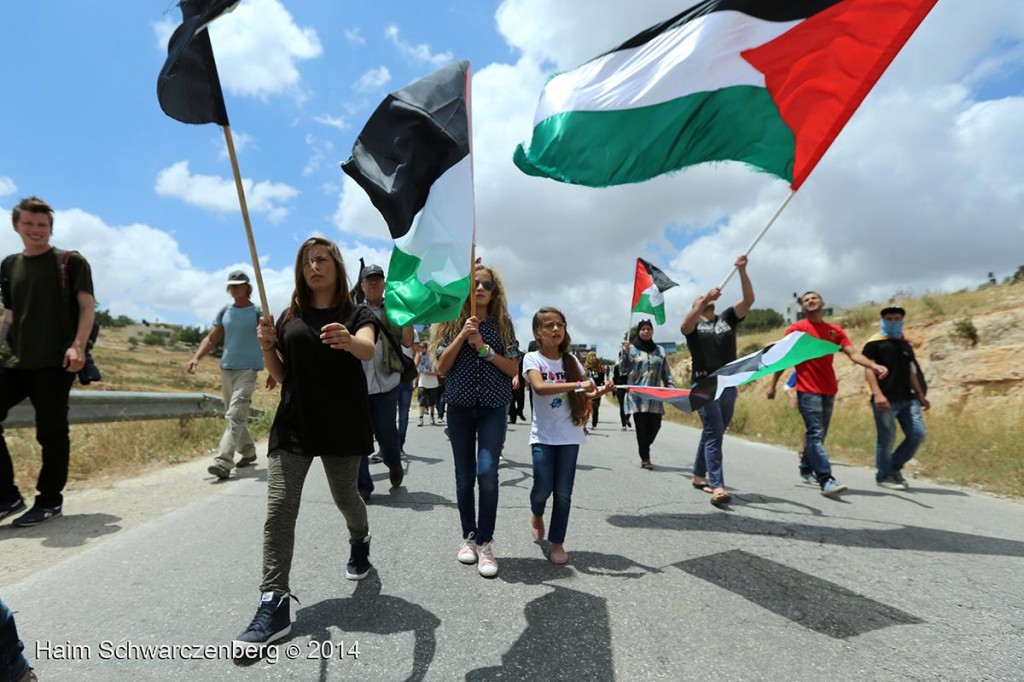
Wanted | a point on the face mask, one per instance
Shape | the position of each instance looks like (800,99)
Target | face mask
(892,329)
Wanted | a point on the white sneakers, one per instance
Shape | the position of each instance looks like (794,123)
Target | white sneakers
(481,555)
(467,550)
(486,564)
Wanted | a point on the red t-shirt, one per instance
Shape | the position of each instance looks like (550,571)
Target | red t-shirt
(817,376)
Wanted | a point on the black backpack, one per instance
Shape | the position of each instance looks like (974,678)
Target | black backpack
(90,372)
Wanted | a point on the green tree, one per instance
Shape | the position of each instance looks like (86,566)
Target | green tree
(189,335)
(104,318)
(761,319)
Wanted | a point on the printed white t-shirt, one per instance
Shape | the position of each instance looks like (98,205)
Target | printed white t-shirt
(552,416)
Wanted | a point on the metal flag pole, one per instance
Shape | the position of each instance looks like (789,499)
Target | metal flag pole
(750,248)
(245,219)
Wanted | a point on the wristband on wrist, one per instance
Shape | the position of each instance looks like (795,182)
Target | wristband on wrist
(483,350)
(490,354)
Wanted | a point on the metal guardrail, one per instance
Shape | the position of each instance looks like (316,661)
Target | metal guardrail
(94,407)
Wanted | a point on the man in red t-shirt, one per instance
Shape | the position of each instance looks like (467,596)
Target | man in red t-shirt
(816,389)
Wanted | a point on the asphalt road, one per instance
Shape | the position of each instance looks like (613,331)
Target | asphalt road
(786,585)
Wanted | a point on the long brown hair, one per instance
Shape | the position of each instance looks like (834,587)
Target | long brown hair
(498,309)
(578,403)
(302,297)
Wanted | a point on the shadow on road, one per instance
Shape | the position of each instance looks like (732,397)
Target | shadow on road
(70,530)
(567,637)
(903,537)
(369,611)
(400,498)
(808,601)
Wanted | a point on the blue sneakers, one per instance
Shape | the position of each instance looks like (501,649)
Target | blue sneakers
(11,508)
(272,622)
(36,515)
(832,488)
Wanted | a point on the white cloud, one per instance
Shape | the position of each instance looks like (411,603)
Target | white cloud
(420,52)
(372,80)
(333,121)
(7,186)
(354,36)
(258,47)
(241,141)
(218,194)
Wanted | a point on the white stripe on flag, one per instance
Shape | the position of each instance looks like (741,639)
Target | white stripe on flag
(441,235)
(702,55)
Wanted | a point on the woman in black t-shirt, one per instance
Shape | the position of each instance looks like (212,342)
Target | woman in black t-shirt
(314,352)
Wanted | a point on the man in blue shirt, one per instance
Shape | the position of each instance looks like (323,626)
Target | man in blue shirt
(242,360)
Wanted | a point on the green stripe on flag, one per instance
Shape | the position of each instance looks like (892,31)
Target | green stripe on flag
(644,305)
(410,300)
(602,148)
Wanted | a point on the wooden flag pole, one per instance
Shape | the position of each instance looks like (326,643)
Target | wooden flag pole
(472,184)
(771,222)
(472,274)
(245,219)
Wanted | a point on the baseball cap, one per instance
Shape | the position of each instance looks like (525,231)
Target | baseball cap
(238,277)
(372,270)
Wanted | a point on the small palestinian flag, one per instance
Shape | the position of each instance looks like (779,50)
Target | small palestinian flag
(413,159)
(648,289)
(794,348)
(769,83)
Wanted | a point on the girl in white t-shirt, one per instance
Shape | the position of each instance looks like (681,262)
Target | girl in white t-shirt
(561,403)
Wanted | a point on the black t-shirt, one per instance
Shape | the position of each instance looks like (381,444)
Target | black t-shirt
(898,356)
(324,409)
(713,344)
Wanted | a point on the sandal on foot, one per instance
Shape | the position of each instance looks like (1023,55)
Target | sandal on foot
(702,486)
(537,533)
(721,499)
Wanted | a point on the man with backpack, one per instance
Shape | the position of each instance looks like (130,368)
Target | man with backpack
(240,362)
(44,336)
(383,379)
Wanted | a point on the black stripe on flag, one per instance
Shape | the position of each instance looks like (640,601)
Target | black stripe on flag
(412,139)
(661,280)
(768,10)
(188,87)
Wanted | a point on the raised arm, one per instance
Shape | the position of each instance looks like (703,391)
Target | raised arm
(742,307)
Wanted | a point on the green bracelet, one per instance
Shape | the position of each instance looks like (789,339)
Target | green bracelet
(483,351)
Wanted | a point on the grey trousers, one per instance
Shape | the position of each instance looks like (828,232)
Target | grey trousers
(285,478)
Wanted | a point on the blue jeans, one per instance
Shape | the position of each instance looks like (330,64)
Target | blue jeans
(404,403)
(554,470)
(477,434)
(13,665)
(908,414)
(382,413)
(716,417)
(816,409)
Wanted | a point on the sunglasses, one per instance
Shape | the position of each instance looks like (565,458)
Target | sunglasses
(487,284)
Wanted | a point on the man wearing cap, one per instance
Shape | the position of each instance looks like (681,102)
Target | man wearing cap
(383,380)
(241,361)
(898,397)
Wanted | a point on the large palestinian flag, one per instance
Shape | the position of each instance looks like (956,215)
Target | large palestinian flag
(649,287)
(769,83)
(794,348)
(413,158)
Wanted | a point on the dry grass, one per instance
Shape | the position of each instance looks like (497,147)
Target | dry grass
(120,450)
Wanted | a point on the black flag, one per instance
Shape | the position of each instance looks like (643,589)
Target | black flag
(188,87)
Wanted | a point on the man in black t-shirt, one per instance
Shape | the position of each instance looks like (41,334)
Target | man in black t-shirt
(711,339)
(48,315)
(899,397)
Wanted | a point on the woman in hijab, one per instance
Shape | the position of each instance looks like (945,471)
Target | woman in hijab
(647,367)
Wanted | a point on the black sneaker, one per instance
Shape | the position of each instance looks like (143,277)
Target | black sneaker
(272,622)
(359,560)
(396,475)
(11,508)
(898,477)
(36,515)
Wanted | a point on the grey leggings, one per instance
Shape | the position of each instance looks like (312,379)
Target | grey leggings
(287,473)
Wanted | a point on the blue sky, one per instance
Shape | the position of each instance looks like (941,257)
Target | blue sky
(923,191)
